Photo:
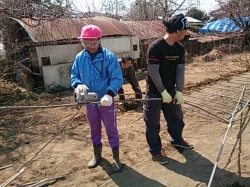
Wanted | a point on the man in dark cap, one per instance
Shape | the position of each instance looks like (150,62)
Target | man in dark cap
(165,79)
(128,72)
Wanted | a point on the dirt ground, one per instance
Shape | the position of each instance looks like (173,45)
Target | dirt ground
(207,109)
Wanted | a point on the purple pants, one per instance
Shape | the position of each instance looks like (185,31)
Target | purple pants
(106,114)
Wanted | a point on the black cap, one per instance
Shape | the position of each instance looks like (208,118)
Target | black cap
(176,22)
(126,57)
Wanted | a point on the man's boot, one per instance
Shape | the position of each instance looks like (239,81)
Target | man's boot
(96,157)
(117,166)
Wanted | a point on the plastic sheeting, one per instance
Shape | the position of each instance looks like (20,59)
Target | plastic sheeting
(225,25)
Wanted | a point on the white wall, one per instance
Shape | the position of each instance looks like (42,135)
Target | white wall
(58,54)
(56,75)
(122,45)
(62,56)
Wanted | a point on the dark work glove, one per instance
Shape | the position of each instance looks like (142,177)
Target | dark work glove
(138,94)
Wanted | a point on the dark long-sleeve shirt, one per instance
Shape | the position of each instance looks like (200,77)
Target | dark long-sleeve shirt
(166,66)
(130,72)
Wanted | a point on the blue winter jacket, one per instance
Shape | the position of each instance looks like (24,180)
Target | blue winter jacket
(101,74)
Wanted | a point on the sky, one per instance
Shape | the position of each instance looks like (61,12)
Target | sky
(206,6)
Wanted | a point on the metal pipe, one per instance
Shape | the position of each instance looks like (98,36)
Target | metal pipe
(218,88)
(243,108)
(213,102)
(207,105)
(209,115)
(230,86)
(214,96)
(139,100)
(12,178)
(35,107)
(131,94)
(238,110)
(39,182)
(225,96)
(221,110)
(73,104)
(4,167)
(224,140)
(241,118)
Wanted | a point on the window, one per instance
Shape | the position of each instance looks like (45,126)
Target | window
(135,47)
(46,60)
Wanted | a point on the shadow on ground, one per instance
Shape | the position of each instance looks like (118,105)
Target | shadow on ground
(128,177)
(199,168)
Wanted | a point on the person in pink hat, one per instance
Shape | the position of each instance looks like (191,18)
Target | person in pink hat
(96,69)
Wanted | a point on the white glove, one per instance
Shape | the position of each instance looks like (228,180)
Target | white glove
(81,88)
(166,98)
(106,100)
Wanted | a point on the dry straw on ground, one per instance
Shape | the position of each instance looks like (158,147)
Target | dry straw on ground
(213,55)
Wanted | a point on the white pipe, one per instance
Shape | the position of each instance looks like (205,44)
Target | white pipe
(4,167)
(12,178)
(224,140)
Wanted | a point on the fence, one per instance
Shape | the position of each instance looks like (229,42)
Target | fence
(207,43)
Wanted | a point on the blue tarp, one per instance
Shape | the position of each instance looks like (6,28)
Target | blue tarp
(225,25)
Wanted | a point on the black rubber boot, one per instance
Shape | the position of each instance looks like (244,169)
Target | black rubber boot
(117,166)
(96,157)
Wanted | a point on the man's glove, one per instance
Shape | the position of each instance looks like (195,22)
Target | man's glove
(178,98)
(166,97)
(81,88)
(106,100)
(138,94)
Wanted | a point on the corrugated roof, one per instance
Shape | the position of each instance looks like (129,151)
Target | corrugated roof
(150,29)
(70,28)
(193,20)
